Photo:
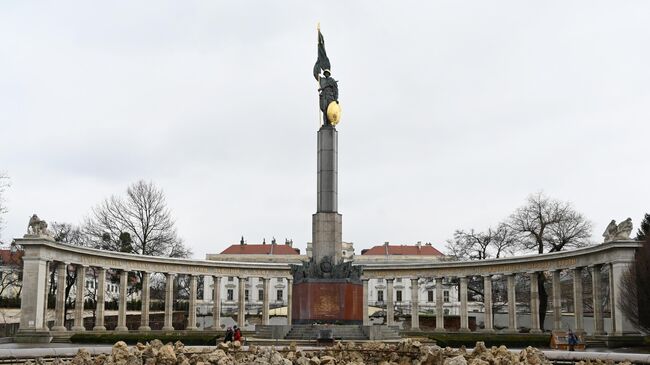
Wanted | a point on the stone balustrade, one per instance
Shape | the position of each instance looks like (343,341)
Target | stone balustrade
(41,254)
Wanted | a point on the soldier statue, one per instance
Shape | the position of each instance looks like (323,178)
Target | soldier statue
(328,88)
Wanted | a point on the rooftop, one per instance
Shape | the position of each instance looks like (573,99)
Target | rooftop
(260,249)
(414,250)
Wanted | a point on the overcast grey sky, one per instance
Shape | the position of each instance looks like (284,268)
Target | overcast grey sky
(453,112)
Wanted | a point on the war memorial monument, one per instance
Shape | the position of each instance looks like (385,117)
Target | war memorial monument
(326,289)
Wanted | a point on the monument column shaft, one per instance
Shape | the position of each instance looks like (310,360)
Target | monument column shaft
(266,300)
(327,234)
(242,302)
(464,320)
(101,301)
(216,304)
(144,310)
(121,310)
(169,302)
(534,303)
(487,303)
(440,313)
(597,300)
(512,304)
(191,318)
(327,192)
(80,287)
(557,301)
(59,309)
(390,306)
(577,300)
(415,304)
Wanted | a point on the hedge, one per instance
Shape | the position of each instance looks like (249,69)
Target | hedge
(470,339)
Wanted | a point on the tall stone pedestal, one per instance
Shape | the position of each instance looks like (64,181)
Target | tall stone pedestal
(327,301)
(327,237)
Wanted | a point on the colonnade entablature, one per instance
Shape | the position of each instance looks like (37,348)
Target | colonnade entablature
(607,253)
(40,253)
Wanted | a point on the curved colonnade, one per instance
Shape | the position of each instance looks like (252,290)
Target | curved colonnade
(41,253)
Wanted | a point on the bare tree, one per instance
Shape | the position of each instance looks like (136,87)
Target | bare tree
(4,184)
(70,234)
(472,245)
(144,216)
(544,224)
(11,274)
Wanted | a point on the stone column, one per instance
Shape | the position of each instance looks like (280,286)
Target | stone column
(577,300)
(597,300)
(289,300)
(487,303)
(59,311)
(623,324)
(415,304)
(440,312)
(31,305)
(390,305)
(168,324)
(464,320)
(146,299)
(242,302)
(216,302)
(121,309)
(557,301)
(366,319)
(101,291)
(47,281)
(534,303)
(80,288)
(512,304)
(266,300)
(191,318)
(612,299)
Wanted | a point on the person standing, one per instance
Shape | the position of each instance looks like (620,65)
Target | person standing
(229,335)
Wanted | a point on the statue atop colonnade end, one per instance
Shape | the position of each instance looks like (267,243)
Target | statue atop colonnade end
(328,88)
(615,232)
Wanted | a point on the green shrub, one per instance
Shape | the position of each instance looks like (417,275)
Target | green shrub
(190,339)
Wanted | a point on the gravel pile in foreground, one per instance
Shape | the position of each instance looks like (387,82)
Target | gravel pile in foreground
(406,352)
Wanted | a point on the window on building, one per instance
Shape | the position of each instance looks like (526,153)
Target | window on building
(260,294)
(430,296)
(398,296)
(380,280)
(399,280)
(230,278)
(279,295)
(280,280)
(380,295)
(246,295)
(446,296)
(230,295)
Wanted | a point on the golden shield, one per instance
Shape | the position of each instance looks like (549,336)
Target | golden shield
(334,113)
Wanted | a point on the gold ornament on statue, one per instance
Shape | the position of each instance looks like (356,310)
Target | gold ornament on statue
(334,112)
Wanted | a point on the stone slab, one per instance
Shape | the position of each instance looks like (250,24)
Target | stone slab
(327,302)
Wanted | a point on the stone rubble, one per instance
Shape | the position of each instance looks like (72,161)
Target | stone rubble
(406,352)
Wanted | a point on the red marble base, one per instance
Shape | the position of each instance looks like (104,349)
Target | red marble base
(324,301)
